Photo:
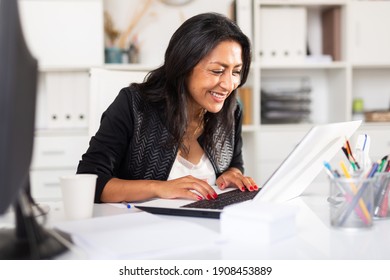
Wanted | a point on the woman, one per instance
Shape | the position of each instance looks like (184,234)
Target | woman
(179,132)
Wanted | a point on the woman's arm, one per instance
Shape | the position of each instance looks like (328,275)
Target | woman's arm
(107,148)
(233,176)
(188,187)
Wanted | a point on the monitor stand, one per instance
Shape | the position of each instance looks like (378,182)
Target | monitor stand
(28,240)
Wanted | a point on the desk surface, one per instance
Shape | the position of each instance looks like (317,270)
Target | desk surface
(314,238)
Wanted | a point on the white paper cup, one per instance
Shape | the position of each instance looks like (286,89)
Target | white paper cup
(78,193)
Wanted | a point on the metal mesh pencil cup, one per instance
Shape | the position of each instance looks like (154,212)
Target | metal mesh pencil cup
(381,195)
(351,202)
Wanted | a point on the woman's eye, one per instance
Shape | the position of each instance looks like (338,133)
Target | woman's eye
(217,71)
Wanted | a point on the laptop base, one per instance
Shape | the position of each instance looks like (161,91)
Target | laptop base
(199,213)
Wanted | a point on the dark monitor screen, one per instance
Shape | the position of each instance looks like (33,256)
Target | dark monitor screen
(18,82)
(18,85)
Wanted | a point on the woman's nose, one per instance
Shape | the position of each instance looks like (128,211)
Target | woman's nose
(229,82)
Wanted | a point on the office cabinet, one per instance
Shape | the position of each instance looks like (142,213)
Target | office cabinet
(369,41)
(359,35)
(45,183)
(67,38)
(56,31)
(358,67)
(58,151)
(326,76)
(369,44)
(62,116)
(54,155)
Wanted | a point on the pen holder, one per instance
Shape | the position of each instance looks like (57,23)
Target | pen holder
(351,202)
(381,195)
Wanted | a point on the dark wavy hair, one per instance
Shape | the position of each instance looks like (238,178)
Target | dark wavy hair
(165,87)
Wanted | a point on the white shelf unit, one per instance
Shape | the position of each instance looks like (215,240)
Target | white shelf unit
(67,38)
(329,81)
(362,71)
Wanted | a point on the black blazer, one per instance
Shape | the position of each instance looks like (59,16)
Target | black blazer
(133,143)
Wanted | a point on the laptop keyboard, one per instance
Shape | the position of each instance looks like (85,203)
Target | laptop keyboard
(224,199)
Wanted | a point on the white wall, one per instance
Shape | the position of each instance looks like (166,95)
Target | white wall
(158,22)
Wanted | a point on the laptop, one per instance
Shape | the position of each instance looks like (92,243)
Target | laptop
(291,178)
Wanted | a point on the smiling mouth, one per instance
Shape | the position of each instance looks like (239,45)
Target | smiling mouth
(218,96)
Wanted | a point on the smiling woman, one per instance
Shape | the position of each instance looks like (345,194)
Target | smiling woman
(179,132)
(215,77)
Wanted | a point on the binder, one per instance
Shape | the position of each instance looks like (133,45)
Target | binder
(67,99)
(245,97)
(244,16)
(55,100)
(79,96)
(331,32)
(283,34)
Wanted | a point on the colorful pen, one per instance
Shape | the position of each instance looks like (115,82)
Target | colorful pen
(382,164)
(379,199)
(373,170)
(387,169)
(332,173)
(385,204)
(350,156)
(328,170)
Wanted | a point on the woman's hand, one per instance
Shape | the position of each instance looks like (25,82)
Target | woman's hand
(234,178)
(185,187)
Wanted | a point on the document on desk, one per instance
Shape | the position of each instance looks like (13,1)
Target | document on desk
(137,236)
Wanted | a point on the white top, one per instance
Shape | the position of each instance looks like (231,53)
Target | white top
(202,170)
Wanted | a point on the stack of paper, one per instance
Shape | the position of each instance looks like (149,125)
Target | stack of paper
(287,102)
(137,236)
(269,222)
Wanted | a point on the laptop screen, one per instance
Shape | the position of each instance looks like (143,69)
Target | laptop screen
(305,162)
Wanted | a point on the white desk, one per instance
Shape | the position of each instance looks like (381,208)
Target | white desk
(315,238)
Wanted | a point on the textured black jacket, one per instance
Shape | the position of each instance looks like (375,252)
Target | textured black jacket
(131,143)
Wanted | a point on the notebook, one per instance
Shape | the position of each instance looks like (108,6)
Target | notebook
(290,179)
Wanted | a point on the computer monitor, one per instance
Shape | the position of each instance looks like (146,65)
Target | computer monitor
(18,83)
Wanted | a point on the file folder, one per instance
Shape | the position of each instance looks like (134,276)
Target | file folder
(283,35)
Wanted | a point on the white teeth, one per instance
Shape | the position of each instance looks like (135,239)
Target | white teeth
(217,95)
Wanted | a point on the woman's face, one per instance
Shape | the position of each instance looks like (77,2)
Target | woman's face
(214,78)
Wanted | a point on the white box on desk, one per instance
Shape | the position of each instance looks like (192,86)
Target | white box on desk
(268,222)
